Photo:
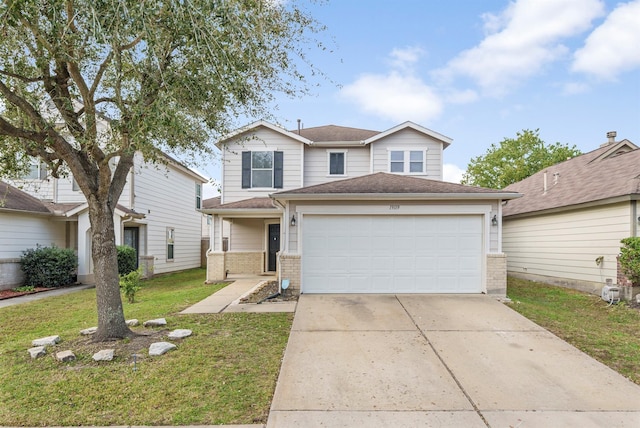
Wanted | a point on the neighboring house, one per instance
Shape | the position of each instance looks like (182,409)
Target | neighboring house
(566,229)
(346,210)
(157,214)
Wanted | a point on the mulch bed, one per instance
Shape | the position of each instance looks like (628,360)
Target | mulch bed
(9,294)
(268,289)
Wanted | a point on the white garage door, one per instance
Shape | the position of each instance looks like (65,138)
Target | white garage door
(392,254)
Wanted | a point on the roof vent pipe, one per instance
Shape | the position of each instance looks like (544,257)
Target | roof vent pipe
(611,136)
(299,126)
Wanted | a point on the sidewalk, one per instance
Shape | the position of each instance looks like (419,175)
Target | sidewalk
(228,299)
(43,295)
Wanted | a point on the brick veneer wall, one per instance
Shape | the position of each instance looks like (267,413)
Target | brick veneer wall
(290,269)
(215,267)
(244,262)
(497,275)
(621,277)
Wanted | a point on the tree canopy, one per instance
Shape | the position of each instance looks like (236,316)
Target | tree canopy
(515,159)
(164,75)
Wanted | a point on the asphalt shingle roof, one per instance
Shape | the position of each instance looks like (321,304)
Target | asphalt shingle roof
(12,198)
(382,182)
(598,175)
(211,202)
(335,133)
(253,203)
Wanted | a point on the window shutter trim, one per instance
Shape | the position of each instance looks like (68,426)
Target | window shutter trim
(246,170)
(278,158)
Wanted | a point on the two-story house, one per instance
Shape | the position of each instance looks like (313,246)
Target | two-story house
(157,214)
(345,210)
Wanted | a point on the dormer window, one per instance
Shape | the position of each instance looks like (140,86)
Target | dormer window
(262,170)
(337,162)
(407,161)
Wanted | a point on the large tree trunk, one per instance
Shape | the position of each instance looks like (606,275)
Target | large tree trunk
(111,321)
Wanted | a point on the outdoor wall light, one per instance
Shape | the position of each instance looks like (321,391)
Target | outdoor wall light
(293,220)
(494,220)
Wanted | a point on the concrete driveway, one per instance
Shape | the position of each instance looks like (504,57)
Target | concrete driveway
(437,360)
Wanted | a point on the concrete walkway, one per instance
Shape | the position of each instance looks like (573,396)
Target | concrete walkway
(43,295)
(228,299)
(426,360)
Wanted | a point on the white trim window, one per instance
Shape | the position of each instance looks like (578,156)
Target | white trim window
(37,170)
(198,196)
(408,162)
(337,162)
(171,240)
(262,170)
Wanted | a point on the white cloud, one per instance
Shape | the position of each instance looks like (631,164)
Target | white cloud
(398,95)
(461,97)
(613,47)
(452,173)
(573,88)
(521,41)
(405,58)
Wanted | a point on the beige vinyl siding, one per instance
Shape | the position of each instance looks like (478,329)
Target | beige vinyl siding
(41,189)
(566,245)
(19,231)
(166,196)
(316,164)
(265,140)
(65,193)
(246,234)
(408,139)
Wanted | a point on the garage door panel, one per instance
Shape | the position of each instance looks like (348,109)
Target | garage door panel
(392,254)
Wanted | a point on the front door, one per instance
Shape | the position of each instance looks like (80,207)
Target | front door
(132,239)
(274,246)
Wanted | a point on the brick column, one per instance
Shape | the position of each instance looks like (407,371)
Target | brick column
(215,267)
(497,275)
(290,269)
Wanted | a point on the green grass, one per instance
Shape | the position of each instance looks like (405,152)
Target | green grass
(225,373)
(610,334)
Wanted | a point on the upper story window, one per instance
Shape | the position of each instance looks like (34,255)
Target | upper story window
(262,169)
(37,170)
(407,161)
(337,162)
(198,196)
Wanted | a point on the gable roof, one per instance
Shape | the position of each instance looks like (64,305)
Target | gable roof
(257,124)
(334,133)
(211,202)
(382,185)
(14,199)
(611,171)
(446,141)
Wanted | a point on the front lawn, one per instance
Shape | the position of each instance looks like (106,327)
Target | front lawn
(610,334)
(225,373)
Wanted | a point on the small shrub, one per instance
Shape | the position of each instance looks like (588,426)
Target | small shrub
(24,288)
(630,259)
(48,266)
(127,258)
(131,283)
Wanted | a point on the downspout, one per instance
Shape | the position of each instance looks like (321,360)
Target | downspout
(635,218)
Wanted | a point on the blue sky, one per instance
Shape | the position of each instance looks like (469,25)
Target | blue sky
(477,71)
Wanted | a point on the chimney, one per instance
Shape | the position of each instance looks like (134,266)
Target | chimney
(611,136)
